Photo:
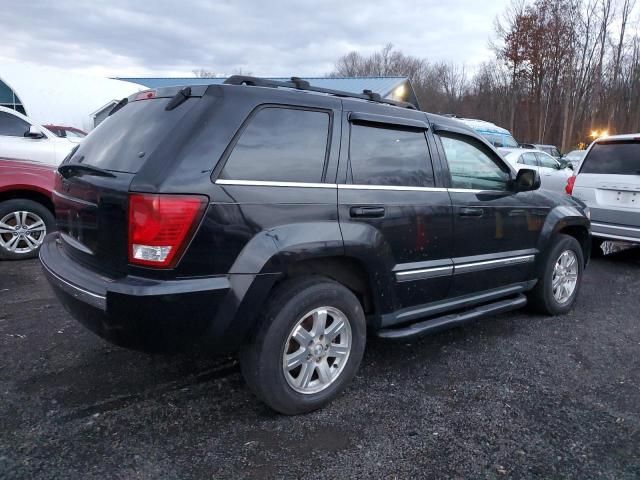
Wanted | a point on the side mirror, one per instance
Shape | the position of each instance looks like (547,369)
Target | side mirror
(34,132)
(527,180)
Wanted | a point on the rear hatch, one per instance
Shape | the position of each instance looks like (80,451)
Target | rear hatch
(609,181)
(92,188)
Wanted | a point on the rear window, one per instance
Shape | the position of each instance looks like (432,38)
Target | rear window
(123,141)
(615,157)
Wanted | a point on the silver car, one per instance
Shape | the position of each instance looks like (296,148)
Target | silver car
(552,174)
(608,181)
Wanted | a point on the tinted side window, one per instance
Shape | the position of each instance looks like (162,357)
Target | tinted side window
(12,126)
(471,167)
(386,156)
(617,158)
(280,144)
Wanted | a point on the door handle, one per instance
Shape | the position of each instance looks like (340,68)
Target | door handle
(471,212)
(367,212)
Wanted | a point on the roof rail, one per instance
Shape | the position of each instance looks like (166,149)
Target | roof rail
(299,84)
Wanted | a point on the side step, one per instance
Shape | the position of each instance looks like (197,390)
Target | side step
(440,323)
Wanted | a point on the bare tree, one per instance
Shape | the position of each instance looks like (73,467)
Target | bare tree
(202,73)
(561,69)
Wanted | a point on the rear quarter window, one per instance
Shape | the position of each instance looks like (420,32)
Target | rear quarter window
(614,157)
(281,145)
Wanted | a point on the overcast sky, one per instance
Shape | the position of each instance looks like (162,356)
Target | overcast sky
(268,37)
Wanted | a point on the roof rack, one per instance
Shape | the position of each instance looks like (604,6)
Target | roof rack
(298,83)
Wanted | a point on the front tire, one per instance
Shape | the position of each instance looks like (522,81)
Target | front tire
(560,277)
(23,226)
(307,346)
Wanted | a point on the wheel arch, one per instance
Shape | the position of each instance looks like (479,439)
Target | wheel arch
(347,271)
(27,194)
(568,221)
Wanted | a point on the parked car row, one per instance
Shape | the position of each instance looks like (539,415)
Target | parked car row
(503,140)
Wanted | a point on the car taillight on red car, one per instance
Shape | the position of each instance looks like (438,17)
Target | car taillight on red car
(160,227)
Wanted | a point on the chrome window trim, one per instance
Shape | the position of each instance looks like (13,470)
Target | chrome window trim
(470,190)
(349,186)
(610,225)
(423,273)
(262,183)
(487,264)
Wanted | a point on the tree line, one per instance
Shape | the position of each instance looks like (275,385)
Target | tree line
(562,69)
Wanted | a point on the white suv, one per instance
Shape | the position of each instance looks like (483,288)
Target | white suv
(608,181)
(23,139)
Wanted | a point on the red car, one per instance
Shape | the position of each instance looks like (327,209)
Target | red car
(26,208)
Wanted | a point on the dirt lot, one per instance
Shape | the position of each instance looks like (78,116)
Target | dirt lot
(516,396)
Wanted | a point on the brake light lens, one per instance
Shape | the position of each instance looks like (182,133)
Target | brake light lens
(160,226)
(145,95)
(570,182)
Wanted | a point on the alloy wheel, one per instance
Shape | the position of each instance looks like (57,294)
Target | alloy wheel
(565,276)
(317,350)
(22,232)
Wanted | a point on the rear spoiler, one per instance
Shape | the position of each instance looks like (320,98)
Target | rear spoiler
(178,94)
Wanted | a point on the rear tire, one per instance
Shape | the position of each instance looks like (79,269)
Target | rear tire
(555,294)
(33,221)
(290,333)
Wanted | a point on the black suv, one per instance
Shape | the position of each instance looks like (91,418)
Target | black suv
(288,222)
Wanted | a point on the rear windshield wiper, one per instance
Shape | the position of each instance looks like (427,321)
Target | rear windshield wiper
(69,169)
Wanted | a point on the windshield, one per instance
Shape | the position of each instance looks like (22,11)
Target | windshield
(617,157)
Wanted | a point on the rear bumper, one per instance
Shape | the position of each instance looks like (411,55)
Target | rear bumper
(612,231)
(141,313)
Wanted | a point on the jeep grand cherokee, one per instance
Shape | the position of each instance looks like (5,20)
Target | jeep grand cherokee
(288,222)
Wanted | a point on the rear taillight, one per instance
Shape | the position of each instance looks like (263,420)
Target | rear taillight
(145,95)
(570,182)
(160,227)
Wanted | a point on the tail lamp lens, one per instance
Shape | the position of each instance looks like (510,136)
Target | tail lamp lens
(570,182)
(145,95)
(160,226)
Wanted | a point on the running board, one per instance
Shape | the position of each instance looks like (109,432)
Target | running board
(440,323)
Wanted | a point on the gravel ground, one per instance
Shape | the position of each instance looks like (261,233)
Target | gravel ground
(513,396)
